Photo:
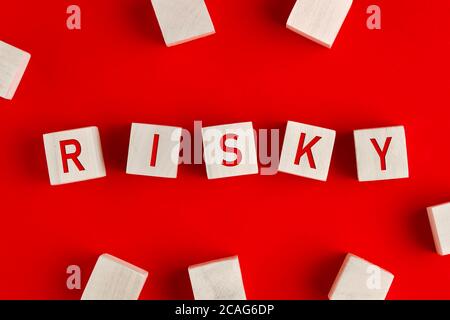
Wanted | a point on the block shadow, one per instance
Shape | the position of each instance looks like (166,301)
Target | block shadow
(178,285)
(344,156)
(278,10)
(421,230)
(115,141)
(323,275)
(31,155)
(141,16)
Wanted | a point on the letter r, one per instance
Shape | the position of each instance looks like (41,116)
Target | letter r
(70,156)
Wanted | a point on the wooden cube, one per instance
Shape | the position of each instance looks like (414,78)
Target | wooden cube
(154,150)
(319,20)
(307,151)
(114,279)
(381,154)
(439,217)
(230,150)
(74,155)
(13,63)
(217,280)
(359,279)
(183,20)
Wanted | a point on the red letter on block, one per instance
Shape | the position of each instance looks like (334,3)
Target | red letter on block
(72,156)
(154,150)
(382,153)
(236,151)
(307,149)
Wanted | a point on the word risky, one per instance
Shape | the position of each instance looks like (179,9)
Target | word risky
(227,150)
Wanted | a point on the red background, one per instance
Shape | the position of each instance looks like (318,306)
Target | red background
(290,233)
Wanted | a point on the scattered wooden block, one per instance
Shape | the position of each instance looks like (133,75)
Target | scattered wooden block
(319,20)
(13,63)
(217,280)
(381,154)
(359,279)
(307,151)
(183,20)
(439,217)
(74,155)
(230,150)
(114,279)
(154,150)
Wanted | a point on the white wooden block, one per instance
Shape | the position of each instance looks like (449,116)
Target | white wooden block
(154,150)
(74,155)
(217,280)
(13,63)
(230,150)
(307,151)
(439,217)
(114,279)
(359,279)
(381,154)
(319,20)
(183,20)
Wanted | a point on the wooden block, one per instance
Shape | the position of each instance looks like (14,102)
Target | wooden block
(359,279)
(154,150)
(183,20)
(230,150)
(319,20)
(439,217)
(381,154)
(114,279)
(13,63)
(307,151)
(217,280)
(74,155)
